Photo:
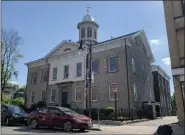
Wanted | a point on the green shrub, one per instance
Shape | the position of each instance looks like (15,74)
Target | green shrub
(107,111)
(18,101)
(41,104)
(5,100)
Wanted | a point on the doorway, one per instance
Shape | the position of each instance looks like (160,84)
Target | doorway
(64,99)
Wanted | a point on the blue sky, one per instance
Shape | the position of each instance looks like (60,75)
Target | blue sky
(43,25)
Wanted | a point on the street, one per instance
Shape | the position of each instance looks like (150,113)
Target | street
(147,127)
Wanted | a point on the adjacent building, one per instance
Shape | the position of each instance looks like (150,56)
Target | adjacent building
(161,91)
(10,90)
(175,15)
(122,63)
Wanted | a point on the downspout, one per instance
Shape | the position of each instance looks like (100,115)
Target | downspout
(127,76)
(47,83)
(25,93)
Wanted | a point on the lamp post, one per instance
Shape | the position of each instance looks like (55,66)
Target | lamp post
(89,70)
(115,99)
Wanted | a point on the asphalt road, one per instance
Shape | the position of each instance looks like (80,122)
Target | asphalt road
(147,127)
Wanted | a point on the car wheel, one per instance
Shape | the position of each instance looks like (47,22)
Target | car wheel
(82,129)
(34,123)
(8,121)
(67,126)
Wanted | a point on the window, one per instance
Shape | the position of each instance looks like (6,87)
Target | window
(66,71)
(67,49)
(44,110)
(53,96)
(133,65)
(89,32)
(54,110)
(95,34)
(4,109)
(112,88)
(79,69)
(83,33)
(78,94)
(55,73)
(34,78)
(150,94)
(32,97)
(44,75)
(94,93)
(183,6)
(43,95)
(95,64)
(135,92)
(112,64)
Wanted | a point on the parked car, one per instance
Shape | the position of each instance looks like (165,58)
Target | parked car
(55,116)
(11,114)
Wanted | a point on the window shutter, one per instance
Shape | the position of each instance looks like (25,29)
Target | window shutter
(42,76)
(117,62)
(107,64)
(31,78)
(98,71)
(36,78)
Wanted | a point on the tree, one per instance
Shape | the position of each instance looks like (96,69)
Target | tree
(173,102)
(22,89)
(9,56)
(18,101)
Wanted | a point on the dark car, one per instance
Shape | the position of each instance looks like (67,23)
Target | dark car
(11,114)
(55,116)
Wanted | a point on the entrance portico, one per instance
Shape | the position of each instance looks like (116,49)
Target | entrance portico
(65,93)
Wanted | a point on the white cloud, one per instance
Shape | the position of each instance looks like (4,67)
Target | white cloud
(155,42)
(166,61)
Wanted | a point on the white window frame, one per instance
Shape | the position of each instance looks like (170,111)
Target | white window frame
(75,93)
(92,66)
(77,70)
(133,65)
(53,73)
(64,71)
(42,94)
(96,93)
(51,96)
(31,97)
(44,70)
(110,91)
(109,63)
(135,92)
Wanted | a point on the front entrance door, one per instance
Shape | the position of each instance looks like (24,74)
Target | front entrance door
(64,99)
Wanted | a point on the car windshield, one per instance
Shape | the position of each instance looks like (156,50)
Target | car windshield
(16,109)
(68,111)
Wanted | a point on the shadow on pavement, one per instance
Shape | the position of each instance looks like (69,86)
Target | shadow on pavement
(44,130)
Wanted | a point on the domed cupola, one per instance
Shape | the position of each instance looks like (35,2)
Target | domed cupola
(88,29)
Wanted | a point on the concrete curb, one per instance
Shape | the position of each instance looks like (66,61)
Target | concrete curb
(95,129)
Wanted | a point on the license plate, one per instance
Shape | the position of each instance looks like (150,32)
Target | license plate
(25,118)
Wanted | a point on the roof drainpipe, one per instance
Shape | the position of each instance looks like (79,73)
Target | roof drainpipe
(127,77)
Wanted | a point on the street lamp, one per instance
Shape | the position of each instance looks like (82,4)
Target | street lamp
(115,99)
(90,70)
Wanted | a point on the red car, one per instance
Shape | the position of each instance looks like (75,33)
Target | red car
(55,116)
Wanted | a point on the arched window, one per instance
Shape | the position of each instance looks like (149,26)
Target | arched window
(95,34)
(83,33)
(89,32)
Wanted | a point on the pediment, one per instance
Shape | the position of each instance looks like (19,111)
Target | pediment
(63,47)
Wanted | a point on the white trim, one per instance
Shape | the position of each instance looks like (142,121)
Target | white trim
(110,92)
(96,93)
(160,71)
(77,67)
(178,71)
(109,63)
(31,97)
(75,94)
(51,96)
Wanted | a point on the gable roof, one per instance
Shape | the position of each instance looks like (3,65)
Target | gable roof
(59,45)
(117,38)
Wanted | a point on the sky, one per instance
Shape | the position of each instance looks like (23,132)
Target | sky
(43,25)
